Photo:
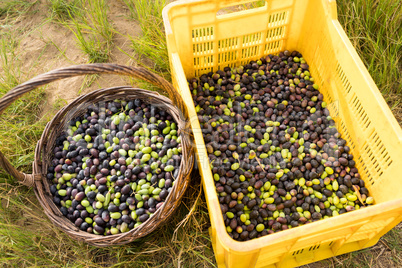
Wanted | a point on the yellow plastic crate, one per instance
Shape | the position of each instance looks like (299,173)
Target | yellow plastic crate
(201,40)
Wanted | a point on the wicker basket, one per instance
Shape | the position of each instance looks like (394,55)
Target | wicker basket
(44,149)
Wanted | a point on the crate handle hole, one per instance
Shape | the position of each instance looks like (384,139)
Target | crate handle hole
(247,5)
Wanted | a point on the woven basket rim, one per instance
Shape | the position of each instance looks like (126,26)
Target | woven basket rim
(42,189)
(174,105)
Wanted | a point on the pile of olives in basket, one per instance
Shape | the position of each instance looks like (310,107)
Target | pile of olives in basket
(276,156)
(115,165)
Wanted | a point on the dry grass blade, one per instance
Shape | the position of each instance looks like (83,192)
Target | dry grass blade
(259,163)
(189,214)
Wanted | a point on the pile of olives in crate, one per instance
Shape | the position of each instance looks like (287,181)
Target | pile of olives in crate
(276,156)
(115,166)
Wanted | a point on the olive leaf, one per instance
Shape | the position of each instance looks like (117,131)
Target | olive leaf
(358,195)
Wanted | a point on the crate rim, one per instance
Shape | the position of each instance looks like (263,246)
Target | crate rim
(293,233)
(300,231)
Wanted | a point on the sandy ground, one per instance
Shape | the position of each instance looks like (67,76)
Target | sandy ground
(47,45)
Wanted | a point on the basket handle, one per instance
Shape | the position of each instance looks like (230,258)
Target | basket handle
(78,70)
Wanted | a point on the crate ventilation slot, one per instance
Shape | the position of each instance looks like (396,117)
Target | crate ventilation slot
(346,136)
(252,39)
(238,49)
(275,33)
(360,114)
(343,79)
(228,54)
(273,47)
(203,64)
(227,59)
(203,47)
(318,76)
(274,38)
(203,61)
(321,74)
(333,107)
(250,44)
(202,34)
(279,18)
(248,53)
(227,44)
(364,171)
(318,70)
(297,252)
(312,248)
(328,97)
(375,158)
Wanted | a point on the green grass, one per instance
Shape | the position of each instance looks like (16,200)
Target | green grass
(9,9)
(93,31)
(19,124)
(11,72)
(63,10)
(28,237)
(394,240)
(151,45)
(374,27)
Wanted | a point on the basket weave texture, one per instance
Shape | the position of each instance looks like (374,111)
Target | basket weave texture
(44,149)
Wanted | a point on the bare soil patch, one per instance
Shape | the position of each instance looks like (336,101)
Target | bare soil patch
(47,45)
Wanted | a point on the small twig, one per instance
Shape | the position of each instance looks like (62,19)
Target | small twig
(189,214)
(172,176)
(385,244)
(259,163)
(338,261)
(379,255)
